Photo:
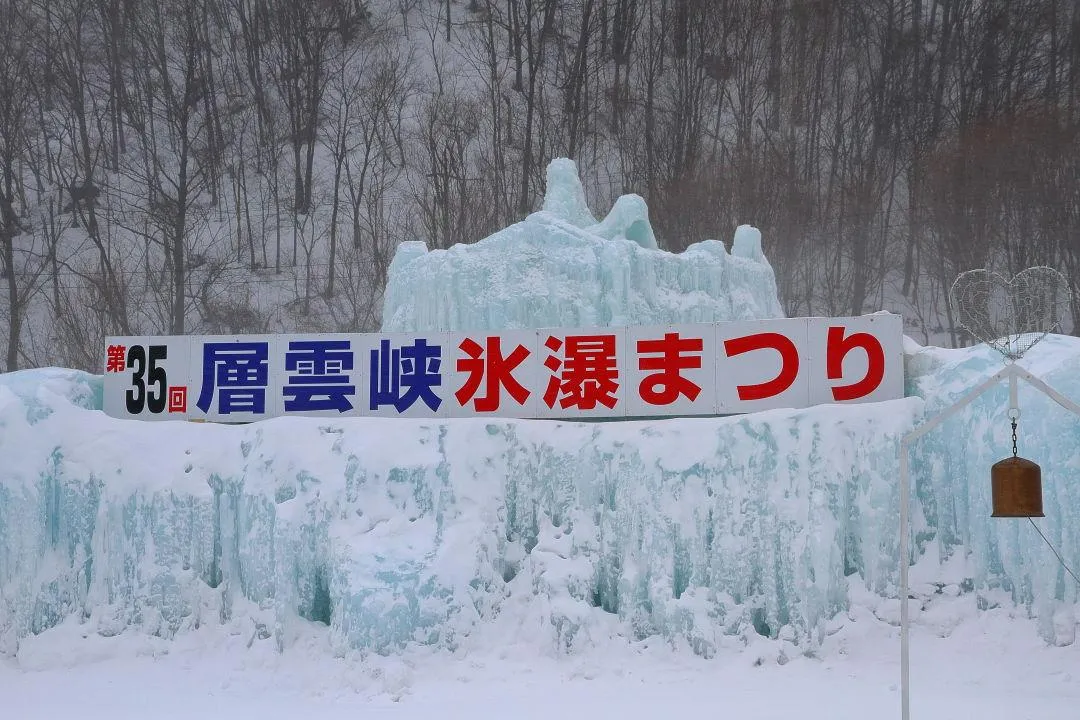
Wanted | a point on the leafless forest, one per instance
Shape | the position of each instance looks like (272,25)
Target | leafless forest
(177,166)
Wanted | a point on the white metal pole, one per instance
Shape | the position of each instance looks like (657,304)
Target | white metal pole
(1049,391)
(905,493)
(905,507)
(1014,405)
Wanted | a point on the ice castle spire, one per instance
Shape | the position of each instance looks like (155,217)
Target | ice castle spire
(564,196)
(559,267)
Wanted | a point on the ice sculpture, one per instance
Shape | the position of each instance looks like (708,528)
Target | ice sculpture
(565,198)
(704,531)
(399,531)
(559,267)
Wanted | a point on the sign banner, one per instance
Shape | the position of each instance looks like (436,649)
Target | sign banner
(628,372)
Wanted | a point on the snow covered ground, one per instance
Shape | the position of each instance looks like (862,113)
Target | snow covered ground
(991,665)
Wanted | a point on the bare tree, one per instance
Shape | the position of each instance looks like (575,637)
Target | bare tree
(174,163)
(149,150)
(16,77)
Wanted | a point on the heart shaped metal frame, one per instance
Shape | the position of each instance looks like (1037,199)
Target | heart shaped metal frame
(1011,315)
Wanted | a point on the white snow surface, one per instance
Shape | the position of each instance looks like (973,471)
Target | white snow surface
(966,663)
(559,267)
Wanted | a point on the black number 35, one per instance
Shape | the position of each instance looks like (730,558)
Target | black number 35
(138,396)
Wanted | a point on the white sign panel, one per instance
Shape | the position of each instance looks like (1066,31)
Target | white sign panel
(659,371)
(404,374)
(494,375)
(849,363)
(761,365)
(583,373)
(672,370)
(230,378)
(320,375)
(147,378)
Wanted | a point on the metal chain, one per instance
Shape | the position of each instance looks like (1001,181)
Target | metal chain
(1014,436)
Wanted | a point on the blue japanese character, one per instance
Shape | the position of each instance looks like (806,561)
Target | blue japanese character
(320,381)
(416,368)
(239,372)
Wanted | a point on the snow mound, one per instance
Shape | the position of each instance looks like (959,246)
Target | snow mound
(39,389)
(560,268)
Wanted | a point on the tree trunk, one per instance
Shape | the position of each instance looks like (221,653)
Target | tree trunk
(14,312)
(179,232)
(331,264)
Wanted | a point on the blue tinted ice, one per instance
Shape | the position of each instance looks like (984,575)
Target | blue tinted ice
(559,267)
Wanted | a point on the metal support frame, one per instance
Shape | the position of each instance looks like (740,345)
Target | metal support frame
(1012,372)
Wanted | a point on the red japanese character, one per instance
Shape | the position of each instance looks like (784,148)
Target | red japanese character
(837,349)
(789,359)
(665,387)
(495,369)
(587,376)
(116,358)
(178,399)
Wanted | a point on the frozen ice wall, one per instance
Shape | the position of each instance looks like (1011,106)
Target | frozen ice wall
(397,531)
(559,267)
(707,531)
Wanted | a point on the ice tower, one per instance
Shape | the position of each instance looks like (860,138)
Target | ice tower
(559,267)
